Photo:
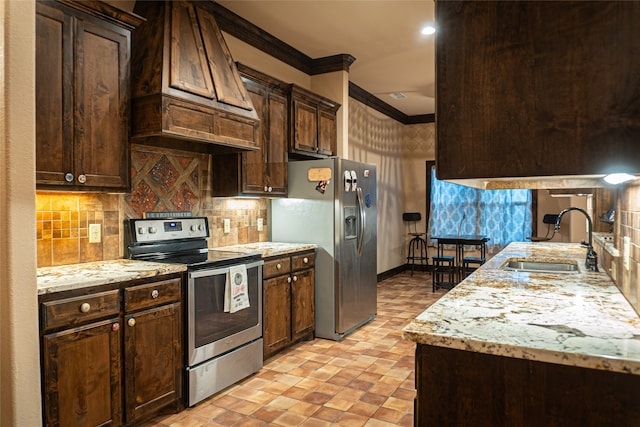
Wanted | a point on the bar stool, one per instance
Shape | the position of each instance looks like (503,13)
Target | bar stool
(471,263)
(443,267)
(417,244)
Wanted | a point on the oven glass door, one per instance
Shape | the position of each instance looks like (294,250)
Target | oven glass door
(212,331)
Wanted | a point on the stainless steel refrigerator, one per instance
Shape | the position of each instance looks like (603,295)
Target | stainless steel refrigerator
(332,203)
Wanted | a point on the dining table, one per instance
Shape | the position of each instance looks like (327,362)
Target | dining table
(460,241)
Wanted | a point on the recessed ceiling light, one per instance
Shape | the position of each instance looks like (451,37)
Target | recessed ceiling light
(397,95)
(428,29)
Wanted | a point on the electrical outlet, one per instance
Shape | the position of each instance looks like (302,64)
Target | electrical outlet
(95,233)
(227,225)
(260,224)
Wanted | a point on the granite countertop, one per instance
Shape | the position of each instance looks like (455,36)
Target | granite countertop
(268,249)
(571,319)
(74,276)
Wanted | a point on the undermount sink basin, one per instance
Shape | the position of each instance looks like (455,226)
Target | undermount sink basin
(540,267)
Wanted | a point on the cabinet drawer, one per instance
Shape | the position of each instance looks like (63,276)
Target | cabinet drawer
(152,294)
(276,267)
(78,310)
(302,261)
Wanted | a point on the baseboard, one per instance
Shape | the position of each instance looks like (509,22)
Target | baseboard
(401,269)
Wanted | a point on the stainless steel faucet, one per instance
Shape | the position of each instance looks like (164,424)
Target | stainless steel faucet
(592,258)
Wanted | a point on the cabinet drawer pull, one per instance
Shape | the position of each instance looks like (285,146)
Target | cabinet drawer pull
(85,307)
(305,260)
(131,322)
(278,266)
(154,294)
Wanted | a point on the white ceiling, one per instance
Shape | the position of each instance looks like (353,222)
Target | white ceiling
(383,35)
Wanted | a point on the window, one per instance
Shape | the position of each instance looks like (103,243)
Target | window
(502,215)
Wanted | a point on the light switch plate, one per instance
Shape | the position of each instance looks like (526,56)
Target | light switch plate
(226,223)
(260,224)
(95,233)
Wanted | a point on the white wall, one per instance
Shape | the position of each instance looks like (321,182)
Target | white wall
(19,353)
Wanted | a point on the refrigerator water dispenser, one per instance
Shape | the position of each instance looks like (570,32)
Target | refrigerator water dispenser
(350,226)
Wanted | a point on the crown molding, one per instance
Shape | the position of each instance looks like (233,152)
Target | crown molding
(255,36)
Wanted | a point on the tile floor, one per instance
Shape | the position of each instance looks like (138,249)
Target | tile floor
(365,380)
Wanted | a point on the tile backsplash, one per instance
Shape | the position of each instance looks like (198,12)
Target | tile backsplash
(627,225)
(162,181)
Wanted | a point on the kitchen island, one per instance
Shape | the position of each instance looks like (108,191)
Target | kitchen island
(530,349)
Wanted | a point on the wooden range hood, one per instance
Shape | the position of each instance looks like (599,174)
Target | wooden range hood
(186,91)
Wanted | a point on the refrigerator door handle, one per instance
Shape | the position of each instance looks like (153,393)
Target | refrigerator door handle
(362,220)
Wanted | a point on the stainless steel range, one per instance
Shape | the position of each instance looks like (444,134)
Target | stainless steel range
(223,341)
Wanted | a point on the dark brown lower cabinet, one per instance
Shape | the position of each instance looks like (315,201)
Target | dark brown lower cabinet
(153,366)
(288,301)
(464,388)
(82,375)
(112,357)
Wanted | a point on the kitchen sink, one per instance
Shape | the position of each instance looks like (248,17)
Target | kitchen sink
(541,267)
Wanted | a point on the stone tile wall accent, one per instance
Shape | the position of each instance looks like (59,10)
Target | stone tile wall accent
(627,224)
(162,181)
(62,227)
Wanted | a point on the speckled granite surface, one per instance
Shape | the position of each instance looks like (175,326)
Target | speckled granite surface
(571,319)
(74,276)
(268,249)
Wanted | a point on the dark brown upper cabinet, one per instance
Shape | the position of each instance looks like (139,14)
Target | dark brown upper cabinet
(186,90)
(82,96)
(537,88)
(263,172)
(313,129)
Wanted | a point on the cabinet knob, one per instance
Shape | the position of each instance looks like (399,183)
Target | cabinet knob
(295,278)
(266,188)
(131,322)
(82,178)
(270,189)
(115,326)
(68,177)
(85,307)
(278,266)
(154,294)
(288,279)
(305,260)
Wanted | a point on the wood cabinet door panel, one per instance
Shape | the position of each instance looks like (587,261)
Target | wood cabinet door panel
(153,360)
(54,59)
(81,376)
(277,160)
(305,135)
(327,133)
(518,97)
(277,314)
(101,131)
(253,163)
(302,303)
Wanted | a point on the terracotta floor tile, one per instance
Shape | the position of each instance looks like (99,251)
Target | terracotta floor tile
(367,379)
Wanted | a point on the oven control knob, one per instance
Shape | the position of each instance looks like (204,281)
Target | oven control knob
(142,230)
(194,227)
(152,230)
(201,227)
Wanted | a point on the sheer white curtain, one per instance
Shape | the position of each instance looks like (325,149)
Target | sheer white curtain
(502,215)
